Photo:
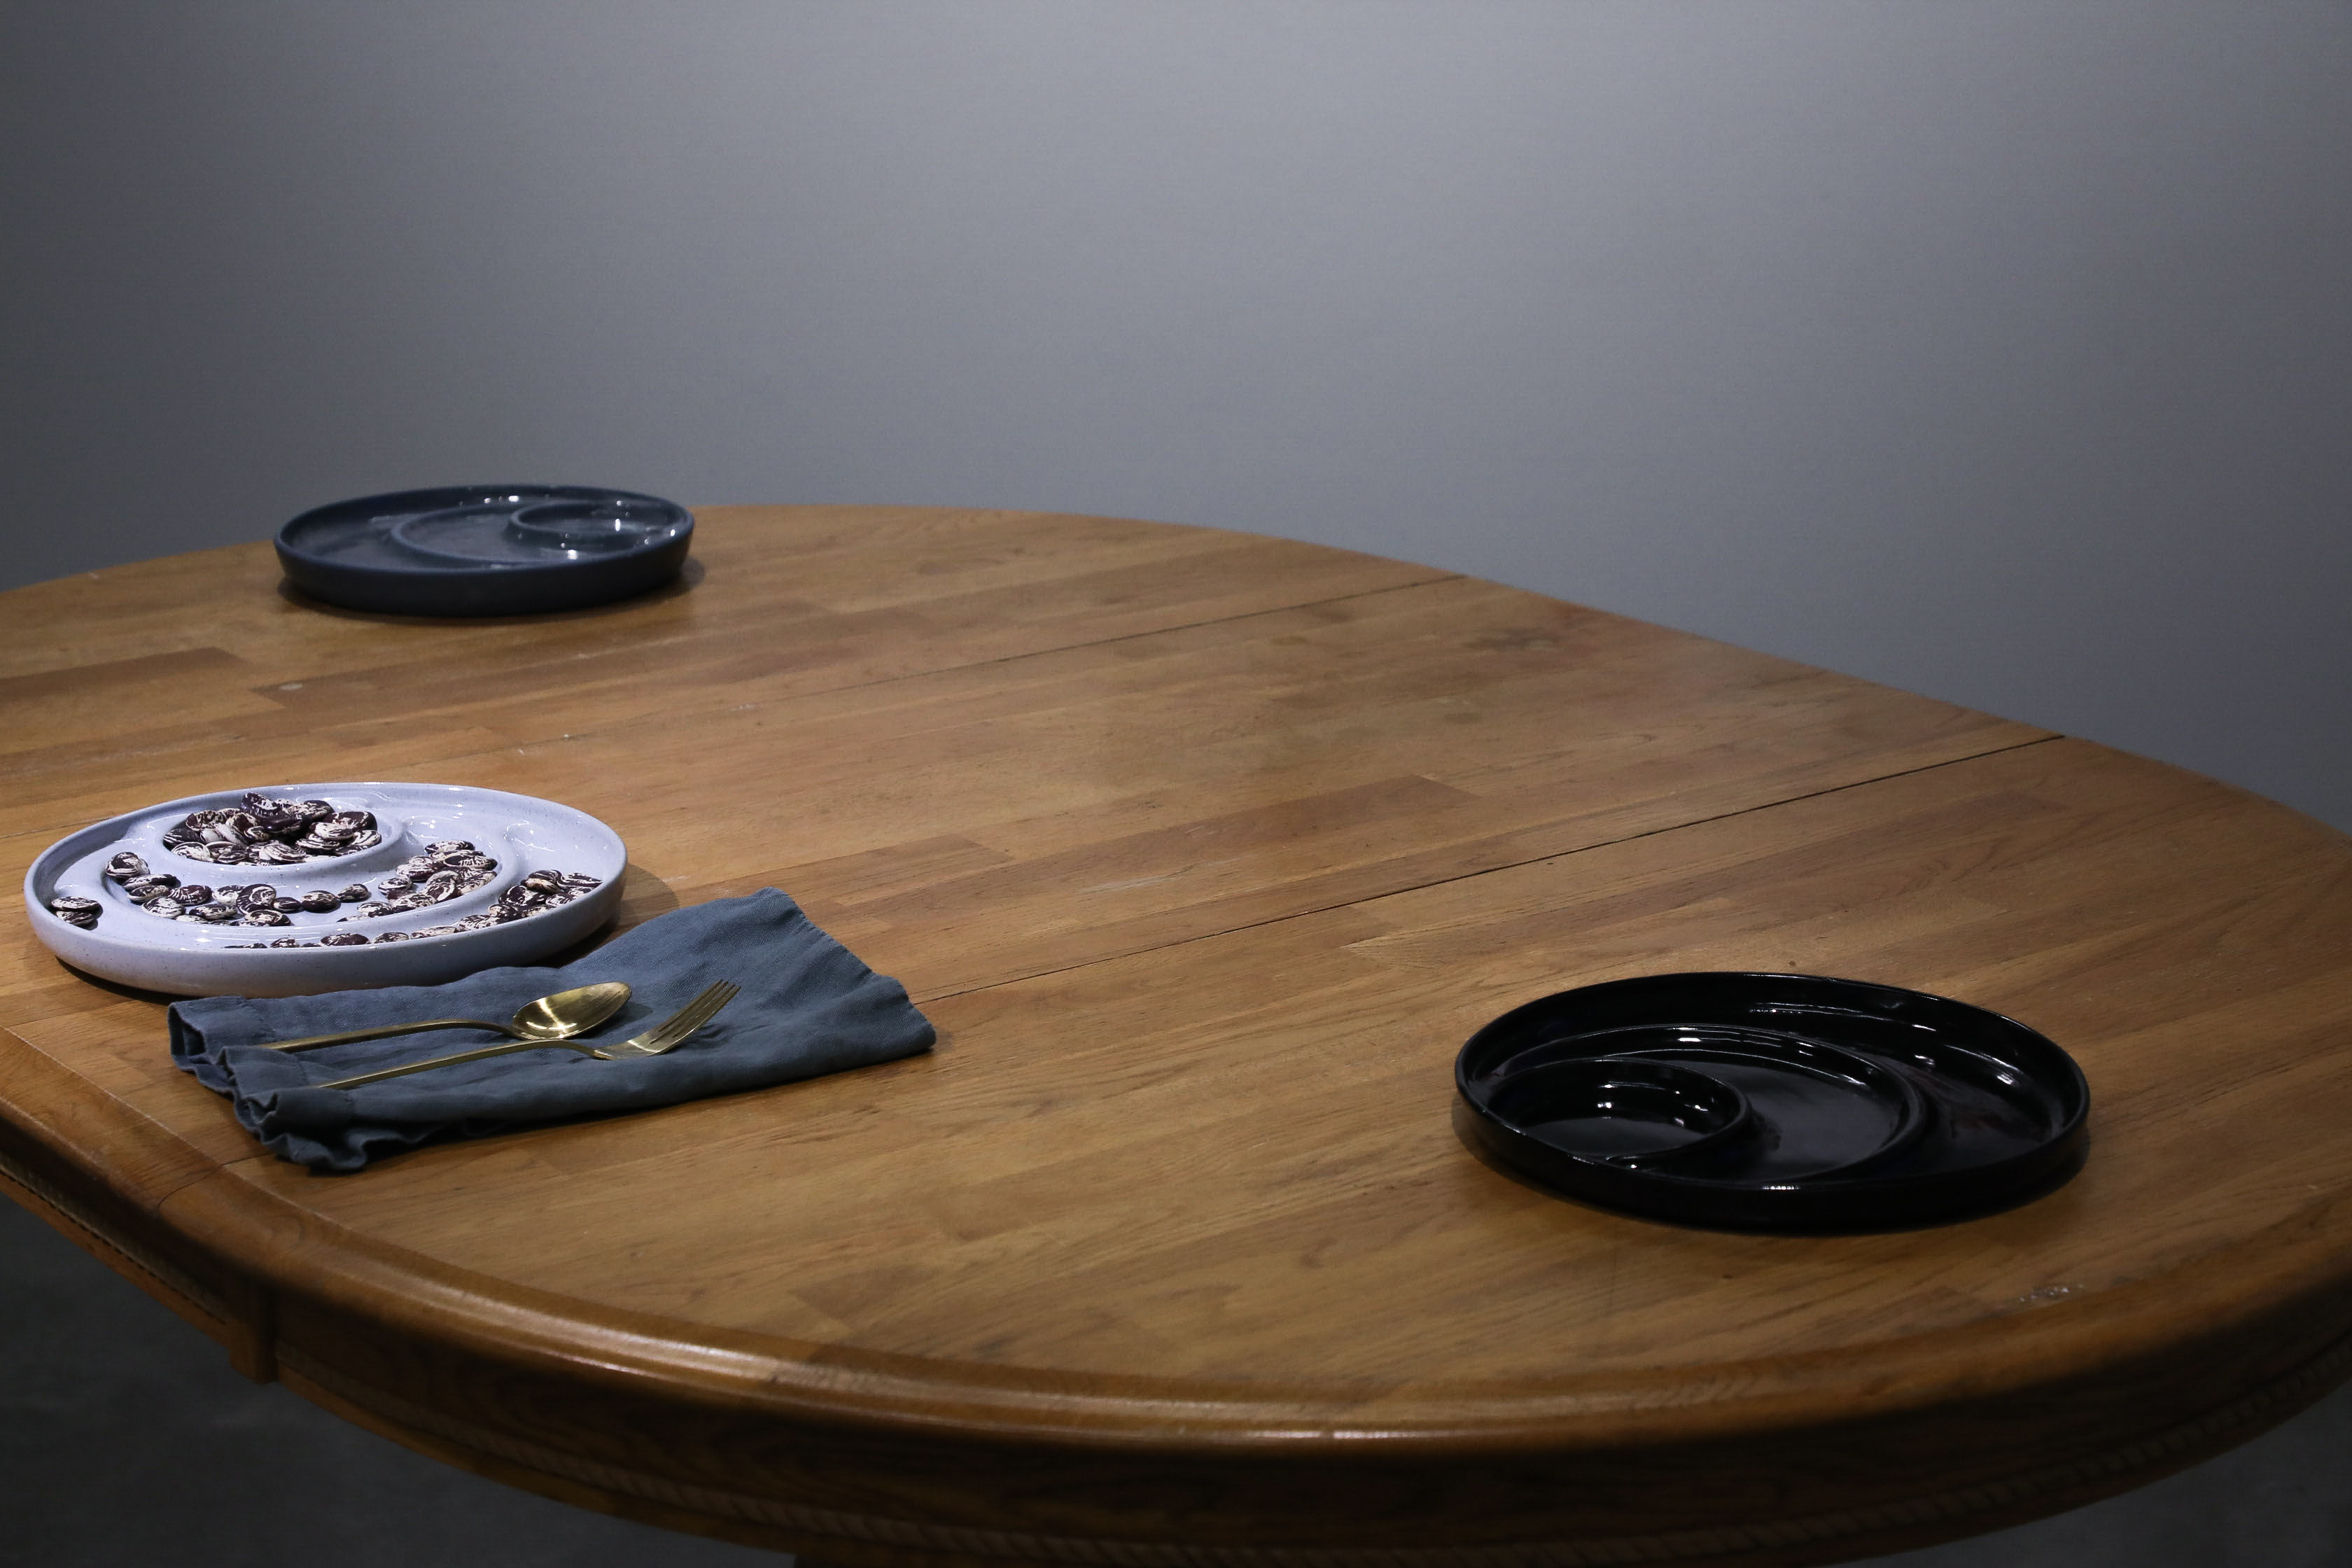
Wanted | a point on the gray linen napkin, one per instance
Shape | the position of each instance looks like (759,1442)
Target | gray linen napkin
(809,1006)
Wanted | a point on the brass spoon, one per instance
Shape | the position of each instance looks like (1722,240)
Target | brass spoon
(663,1036)
(556,1017)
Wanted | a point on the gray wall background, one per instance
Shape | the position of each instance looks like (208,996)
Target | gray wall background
(1998,349)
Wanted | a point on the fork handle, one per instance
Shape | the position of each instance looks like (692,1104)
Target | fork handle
(483,1055)
(383,1031)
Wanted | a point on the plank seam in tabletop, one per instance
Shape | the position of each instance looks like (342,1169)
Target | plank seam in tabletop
(1415,576)
(1404,874)
(1168,630)
(11,763)
(1499,867)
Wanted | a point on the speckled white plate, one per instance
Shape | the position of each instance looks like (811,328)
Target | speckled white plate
(520,833)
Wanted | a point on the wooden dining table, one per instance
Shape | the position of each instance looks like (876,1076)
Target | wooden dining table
(1205,852)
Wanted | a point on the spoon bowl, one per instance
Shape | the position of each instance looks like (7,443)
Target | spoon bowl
(569,1013)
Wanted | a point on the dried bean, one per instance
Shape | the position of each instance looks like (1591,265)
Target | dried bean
(75,909)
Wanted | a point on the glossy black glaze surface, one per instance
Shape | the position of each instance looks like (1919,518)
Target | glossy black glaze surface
(1865,1106)
(1628,1111)
(486,550)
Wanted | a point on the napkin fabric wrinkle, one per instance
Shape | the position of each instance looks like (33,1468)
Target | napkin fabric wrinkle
(809,1006)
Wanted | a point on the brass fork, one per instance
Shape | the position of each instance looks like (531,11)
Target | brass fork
(661,1037)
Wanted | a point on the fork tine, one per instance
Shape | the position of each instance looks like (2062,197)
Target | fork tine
(684,1021)
(713,998)
(677,1030)
(697,1013)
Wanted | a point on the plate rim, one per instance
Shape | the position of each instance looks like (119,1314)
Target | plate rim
(1864,1202)
(119,954)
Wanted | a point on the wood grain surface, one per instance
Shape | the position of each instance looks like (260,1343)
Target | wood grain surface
(1205,852)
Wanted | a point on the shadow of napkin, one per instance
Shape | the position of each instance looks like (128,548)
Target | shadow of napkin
(809,1006)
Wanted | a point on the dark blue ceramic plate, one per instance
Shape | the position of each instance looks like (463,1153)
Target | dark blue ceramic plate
(1773,1101)
(486,550)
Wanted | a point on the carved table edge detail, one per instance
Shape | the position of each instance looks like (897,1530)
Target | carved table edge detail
(409,1296)
(2075,1481)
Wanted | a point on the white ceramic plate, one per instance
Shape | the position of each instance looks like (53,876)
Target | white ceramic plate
(521,834)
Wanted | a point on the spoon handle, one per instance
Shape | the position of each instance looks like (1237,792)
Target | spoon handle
(525,1044)
(384,1030)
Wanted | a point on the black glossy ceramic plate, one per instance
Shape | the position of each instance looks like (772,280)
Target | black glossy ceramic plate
(1773,1101)
(486,550)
